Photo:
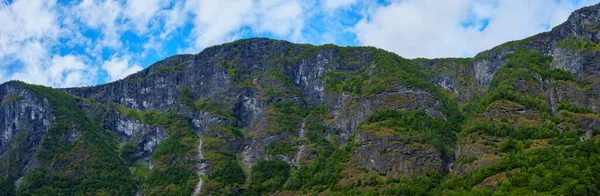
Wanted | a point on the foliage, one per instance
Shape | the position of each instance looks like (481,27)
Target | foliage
(170,181)
(269,176)
(413,123)
(315,126)
(574,108)
(7,186)
(215,107)
(288,117)
(93,164)
(466,159)
(227,170)
(276,148)
(186,96)
(553,170)
(171,155)
(526,66)
(389,72)
(92,160)
(575,43)
(325,168)
(545,131)
(8,99)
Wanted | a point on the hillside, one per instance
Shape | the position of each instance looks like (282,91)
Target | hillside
(269,117)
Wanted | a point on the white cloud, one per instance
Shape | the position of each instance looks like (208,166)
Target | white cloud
(118,68)
(58,71)
(282,18)
(174,18)
(141,12)
(29,31)
(429,28)
(220,21)
(26,22)
(74,43)
(33,31)
(104,16)
(70,70)
(335,4)
(217,21)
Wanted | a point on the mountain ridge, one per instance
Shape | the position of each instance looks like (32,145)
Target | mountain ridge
(262,116)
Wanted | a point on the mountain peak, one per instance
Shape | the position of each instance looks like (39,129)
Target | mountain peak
(584,23)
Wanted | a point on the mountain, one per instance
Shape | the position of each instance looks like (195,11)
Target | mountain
(262,116)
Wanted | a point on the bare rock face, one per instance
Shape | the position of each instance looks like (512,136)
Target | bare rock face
(395,157)
(24,120)
(238,104)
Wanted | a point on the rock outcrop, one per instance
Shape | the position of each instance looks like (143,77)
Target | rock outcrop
(209,123)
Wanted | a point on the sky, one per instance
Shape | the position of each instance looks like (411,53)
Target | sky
(67,43)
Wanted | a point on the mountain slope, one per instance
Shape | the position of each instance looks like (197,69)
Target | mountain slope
(262,116)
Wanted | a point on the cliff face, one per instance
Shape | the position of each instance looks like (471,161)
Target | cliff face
(26,118)
(260,116)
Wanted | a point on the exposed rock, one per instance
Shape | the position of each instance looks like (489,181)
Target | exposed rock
(24,120)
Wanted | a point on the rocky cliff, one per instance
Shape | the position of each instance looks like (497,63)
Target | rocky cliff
(261,116)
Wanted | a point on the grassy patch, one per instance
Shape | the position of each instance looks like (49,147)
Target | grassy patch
(575,43)
(277,148)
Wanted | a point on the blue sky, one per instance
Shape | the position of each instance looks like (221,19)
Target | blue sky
(64,43)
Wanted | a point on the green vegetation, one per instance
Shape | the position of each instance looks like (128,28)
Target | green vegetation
(511,45)
(315,126)
(239,76)
(324,170)
(555,170)
(8,99)
(170,181)
(390,71)
(215,107)
(269,176)
(574,108)
(90,164)
(527,67)
(414,123)
(170,156)
(536,62)
(276,148)
(465,159)
(594,29)
(547,130)
(288,117)
(576,43)
(140,171)
(543,156)
(7,185)
(186,96)
(227,173)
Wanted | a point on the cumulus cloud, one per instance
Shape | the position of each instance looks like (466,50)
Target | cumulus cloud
(59,71)
(455,28)
(118,68)
(29,30)
(217,21)
(87,42)
(69,70)
(141,12)
(220,21)
(104,16)
(335,4)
